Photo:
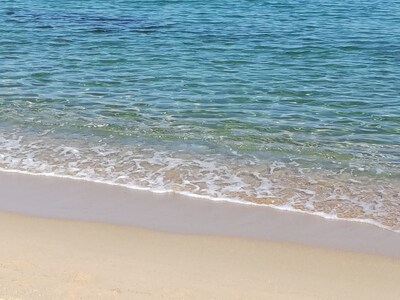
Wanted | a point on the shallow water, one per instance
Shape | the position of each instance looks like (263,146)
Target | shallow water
(292,104)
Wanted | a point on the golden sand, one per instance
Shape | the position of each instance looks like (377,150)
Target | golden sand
(54,259)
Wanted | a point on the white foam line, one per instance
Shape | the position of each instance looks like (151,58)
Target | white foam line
(236,201)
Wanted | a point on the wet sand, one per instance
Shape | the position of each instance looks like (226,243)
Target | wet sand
(68,239)
(88,201)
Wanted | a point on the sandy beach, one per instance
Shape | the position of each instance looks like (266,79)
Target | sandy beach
(199,150)
(85,256)
(55,259)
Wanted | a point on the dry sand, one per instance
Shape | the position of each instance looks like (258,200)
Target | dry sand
(55,259)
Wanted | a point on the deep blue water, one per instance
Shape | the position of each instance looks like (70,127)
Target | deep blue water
(287,103)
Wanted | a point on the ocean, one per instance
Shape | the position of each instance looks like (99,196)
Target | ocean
(291,104)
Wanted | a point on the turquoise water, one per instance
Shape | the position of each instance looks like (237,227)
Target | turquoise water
(293,104)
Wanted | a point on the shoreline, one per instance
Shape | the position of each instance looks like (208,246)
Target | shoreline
(63,198)
(203,197)
(65,239)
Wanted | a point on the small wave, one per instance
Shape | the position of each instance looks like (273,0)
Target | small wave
(235,178)
(157,191)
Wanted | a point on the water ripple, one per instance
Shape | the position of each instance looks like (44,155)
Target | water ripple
(312,86)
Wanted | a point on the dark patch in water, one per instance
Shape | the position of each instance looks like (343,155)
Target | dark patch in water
(88,22)
(9,12)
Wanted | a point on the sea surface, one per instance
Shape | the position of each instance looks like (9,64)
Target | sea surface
(292,104)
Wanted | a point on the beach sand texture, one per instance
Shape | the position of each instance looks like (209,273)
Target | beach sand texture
(55,259)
